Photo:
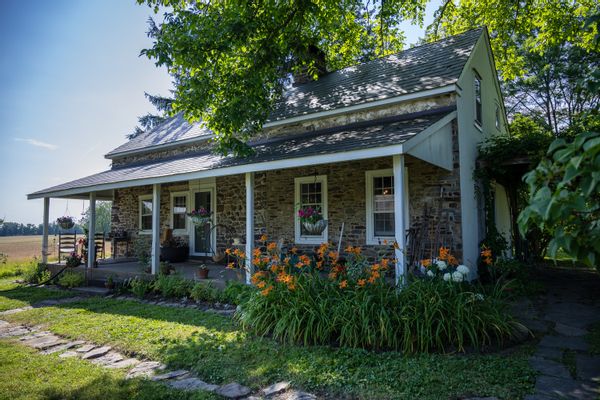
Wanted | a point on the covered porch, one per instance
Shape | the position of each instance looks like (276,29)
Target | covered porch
(260,194)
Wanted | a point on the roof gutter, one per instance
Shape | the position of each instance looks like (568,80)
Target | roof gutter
(302,118)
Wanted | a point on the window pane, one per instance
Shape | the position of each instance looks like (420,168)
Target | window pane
(384,224)
(146,207)
(179,221)
(146,222)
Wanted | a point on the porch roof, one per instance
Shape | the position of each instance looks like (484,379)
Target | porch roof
(370,139)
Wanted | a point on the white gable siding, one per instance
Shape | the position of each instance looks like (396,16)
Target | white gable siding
(469,136)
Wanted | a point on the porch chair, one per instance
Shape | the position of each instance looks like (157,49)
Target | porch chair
(67,244)
(99,241)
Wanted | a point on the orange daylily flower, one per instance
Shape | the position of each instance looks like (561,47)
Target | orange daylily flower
(362,282)
(271,246)
(264,238)
(426,262)
(343,284)
(294,250)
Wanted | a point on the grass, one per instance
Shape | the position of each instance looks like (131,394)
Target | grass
(219,352)
(25,374)
(13,295)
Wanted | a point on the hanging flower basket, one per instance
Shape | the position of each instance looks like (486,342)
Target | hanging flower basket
(65,222)
(312,220)
(200,217)
(315,228)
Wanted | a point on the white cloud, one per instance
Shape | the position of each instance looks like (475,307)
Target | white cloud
(38,143)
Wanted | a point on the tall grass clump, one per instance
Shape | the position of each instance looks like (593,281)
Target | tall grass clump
(320,301)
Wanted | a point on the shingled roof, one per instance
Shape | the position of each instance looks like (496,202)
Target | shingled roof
(429,66)
(358,136)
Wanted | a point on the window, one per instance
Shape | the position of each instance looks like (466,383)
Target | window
(478,111)
(497,116)
(381,221)
(146,213)
(178,212)
(380,206)
(310,191)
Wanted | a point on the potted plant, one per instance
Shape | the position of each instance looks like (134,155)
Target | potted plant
(73,260)
(203,272)
(312,220)
(200,217)
(65,222)
(174,250)
(110,282)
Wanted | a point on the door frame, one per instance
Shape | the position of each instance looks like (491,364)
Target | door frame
(204,187)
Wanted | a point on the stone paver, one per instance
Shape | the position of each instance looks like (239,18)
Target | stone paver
(233,390)
(109,358)
(15,310)
(549,367)
(86,348)
(145,369)
(128,362)
(588,368)
(62,347)
(189,384)
(568,330)
(275,388)
(95,353)
(170,375)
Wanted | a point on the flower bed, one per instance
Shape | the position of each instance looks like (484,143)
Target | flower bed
(321,300)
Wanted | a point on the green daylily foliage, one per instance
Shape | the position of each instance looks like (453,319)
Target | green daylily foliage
(565,198)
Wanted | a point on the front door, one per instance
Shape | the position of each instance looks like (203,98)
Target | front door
(203,243)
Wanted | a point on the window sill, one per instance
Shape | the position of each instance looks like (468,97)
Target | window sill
(378,241)
(180,232)
(310,240)
(145,232)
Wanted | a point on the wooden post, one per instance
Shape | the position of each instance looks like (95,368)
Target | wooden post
(249,224)
(91,233)
(45,230)
(399,216)
(155,260)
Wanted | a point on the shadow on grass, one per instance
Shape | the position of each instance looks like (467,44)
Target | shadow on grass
(13,296)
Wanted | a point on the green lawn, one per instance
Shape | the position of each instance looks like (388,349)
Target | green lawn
(13,295)
(219,352)
(25,374)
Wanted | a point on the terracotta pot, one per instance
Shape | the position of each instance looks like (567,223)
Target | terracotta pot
(203,273)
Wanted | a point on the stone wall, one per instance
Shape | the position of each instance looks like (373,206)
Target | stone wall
(434,195)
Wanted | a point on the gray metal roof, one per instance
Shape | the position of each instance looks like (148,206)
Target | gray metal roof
(364,135)
(173,130)
(429,66)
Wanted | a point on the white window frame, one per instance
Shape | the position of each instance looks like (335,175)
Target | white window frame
(140,199)
(371,239)
(183,231)
(305,239)
(477,77)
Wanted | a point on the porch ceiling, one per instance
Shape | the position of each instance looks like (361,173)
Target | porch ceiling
(362,140)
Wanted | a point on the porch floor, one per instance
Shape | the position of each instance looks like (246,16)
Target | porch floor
(218,275)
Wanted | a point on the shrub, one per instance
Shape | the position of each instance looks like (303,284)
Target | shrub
(173,286)
(139,287)
(236,293)
(36,273)
(296,303)
(205,292)
(73,260)
(71,279)
(165,268)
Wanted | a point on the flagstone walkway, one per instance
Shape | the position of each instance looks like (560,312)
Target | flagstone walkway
(561,320)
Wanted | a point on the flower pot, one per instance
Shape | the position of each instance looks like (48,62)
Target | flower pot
(203,273)
(316,228)
(66,225)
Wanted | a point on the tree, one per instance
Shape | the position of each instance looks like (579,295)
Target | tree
(103,217)
(149,121)
(231,60)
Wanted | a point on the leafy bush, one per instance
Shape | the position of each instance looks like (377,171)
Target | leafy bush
(73,260)
(296,303)
(165,268)
(71,279)
(140,287)
(36,273)
(205,292)
(236,293)
(173,286)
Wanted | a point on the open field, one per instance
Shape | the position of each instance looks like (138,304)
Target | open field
(20,248)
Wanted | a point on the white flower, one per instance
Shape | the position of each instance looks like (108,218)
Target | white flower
(430,273)
(463,269)
(457,276)
(478,296)
(447,277)
(442,265)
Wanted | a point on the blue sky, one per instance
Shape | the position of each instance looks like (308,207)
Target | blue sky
(71,87)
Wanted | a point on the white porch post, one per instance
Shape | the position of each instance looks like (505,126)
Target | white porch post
(45,230)
(399,215)
(91,233)
(155,260)
(249,224)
